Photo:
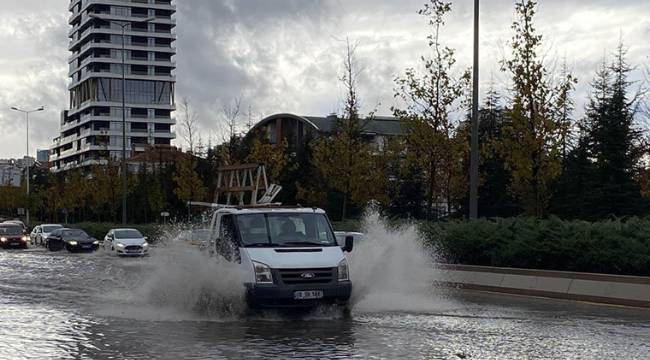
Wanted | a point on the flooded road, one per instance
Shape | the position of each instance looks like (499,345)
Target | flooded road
(95,306)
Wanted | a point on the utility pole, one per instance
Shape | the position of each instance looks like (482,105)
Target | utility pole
(474,158)
(123,25)
(27,112)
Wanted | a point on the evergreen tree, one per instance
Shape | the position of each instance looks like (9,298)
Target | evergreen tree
(575,194)
(495,198)
(599,178)
(615,142)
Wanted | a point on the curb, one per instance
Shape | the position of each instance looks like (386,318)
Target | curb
(597,288)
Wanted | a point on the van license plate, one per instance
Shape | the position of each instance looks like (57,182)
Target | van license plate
(309,294)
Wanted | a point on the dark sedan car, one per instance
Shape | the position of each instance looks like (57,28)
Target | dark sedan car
(12,235)
(71,240)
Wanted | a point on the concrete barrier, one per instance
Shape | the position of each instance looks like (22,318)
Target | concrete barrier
(600,288)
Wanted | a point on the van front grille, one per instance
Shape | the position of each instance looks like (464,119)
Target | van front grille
(306,276)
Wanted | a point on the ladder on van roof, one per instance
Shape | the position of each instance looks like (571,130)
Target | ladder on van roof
(245,183)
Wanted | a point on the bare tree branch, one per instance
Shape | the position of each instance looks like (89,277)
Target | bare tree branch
(231,113)
(189,123)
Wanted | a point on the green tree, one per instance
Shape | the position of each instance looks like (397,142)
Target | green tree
(344,159)
(156,198)
(189,185)
(107,190)
(434,146)
(616,143)
(272,156)
(75,193)
(532,144)
(495,198)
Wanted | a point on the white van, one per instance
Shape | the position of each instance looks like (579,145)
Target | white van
(290,254)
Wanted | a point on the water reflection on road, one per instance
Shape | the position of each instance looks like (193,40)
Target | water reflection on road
(83,306)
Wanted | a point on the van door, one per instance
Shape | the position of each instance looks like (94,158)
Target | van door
(227,240)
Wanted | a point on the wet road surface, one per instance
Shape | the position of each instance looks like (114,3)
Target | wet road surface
(92,306)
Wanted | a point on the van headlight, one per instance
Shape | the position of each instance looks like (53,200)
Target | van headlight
(342,271)
(262,273)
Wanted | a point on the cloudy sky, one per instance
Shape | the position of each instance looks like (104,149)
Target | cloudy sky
(285,55)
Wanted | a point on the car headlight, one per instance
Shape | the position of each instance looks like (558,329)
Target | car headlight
(145,244)
(96,242)
(342,269)
(3,239)
(73,243)
(120,245)
(262,273)
(25,238)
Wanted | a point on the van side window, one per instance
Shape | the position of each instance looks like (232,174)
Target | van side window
(226,245)
(227,229)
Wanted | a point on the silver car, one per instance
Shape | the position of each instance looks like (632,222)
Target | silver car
(40,233)
(126,242)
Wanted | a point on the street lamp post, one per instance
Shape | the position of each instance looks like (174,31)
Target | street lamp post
(27,112)
(474,159)
(123,25)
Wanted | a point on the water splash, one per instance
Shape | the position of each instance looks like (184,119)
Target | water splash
(391,269)
(176,282)
(192,281)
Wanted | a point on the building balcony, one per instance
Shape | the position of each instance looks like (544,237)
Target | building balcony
(110,60)
(116,31)
(170,49)
(108,74)
(90,104)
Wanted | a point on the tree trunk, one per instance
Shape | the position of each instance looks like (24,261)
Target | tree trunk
(432,170)
(345,205)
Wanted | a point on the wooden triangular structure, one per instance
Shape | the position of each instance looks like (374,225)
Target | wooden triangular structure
(244,184)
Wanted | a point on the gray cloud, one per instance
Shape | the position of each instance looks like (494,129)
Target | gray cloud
(286,55)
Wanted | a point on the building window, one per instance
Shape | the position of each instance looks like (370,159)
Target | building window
(120,11)
(137,91)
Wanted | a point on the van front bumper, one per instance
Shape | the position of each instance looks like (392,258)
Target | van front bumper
(282,296)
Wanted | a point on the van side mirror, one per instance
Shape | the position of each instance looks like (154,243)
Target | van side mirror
(349,243)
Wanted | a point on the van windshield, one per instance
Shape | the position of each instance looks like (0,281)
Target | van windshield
(289,229)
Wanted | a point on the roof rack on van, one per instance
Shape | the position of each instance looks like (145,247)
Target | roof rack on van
(210,205)
(265,206)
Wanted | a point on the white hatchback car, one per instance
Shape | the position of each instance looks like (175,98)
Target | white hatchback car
(126,242)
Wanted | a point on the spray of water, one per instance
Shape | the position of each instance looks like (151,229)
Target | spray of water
(176,282)
(391,269)
(192,281)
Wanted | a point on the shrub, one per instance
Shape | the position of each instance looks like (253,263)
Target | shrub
(613,246)
(99,230)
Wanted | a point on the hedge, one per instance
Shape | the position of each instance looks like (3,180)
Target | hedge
(613,247)
(99,230)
